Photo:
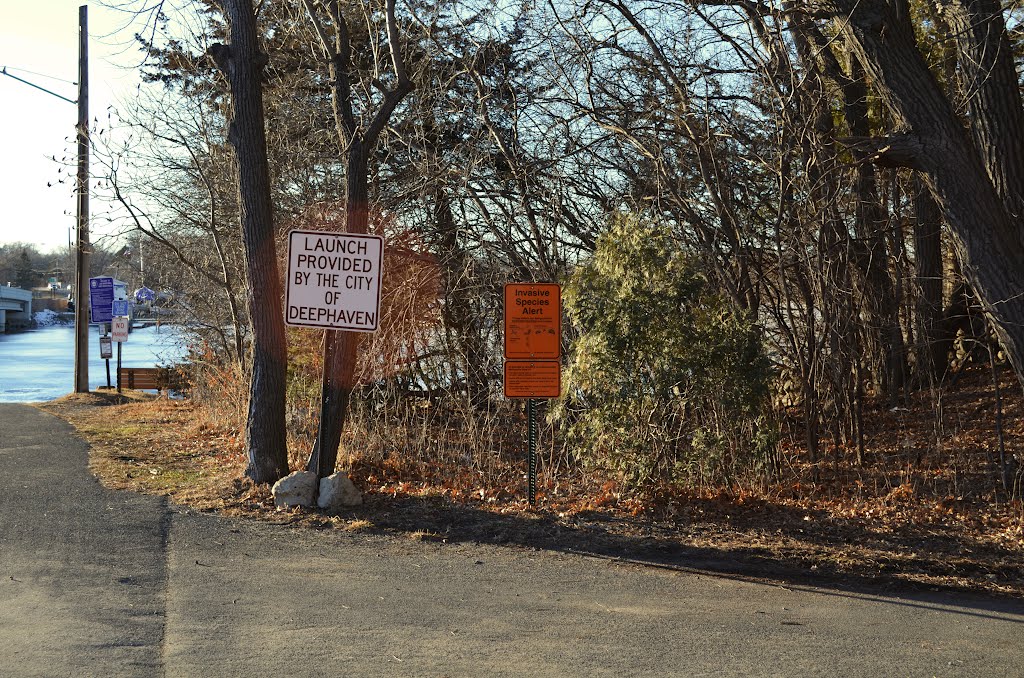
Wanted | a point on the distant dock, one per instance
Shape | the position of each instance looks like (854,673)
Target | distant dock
(15,308)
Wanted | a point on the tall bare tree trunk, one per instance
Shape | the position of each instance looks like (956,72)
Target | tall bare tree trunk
(460,318)
(356,141)
(931,139)
(934,344)
(883,347)
(992,90)
(243,63)
(883,337)
(340,347)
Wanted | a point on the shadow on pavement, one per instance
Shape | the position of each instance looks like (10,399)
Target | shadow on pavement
(436,519)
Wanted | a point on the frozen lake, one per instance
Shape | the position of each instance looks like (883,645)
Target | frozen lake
(39,364)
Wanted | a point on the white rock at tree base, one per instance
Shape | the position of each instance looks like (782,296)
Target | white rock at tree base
(296,489)
(337,491)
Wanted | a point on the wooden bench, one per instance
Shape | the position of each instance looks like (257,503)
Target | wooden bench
(158,378)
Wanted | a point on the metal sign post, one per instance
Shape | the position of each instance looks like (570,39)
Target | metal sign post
(119,327)
(103,330)
(531,473)
(533,337)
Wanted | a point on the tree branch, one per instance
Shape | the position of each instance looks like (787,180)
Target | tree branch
(897,150)
(391,97)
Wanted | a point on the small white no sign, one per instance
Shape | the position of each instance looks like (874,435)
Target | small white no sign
(119,329)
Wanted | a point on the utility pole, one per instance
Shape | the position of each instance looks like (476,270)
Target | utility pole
(82,190)
(82,251)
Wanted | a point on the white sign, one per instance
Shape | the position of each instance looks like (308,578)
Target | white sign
(334,280)
(119,329)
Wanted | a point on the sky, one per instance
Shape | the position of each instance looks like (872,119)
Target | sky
(38,42)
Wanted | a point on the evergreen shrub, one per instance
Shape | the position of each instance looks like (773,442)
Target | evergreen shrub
(666,382)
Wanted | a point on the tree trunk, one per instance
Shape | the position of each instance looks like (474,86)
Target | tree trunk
(884,348)
(356,142)
(985,236)
(458,312)
(992,90)
(934,345)
(341,347)
(243,63)
(883,334)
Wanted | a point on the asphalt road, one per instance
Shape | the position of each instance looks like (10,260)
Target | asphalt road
(101,583)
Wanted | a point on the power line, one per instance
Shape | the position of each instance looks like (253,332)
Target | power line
(3,71)
(41,75)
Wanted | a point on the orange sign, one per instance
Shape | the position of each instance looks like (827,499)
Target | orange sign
(533,321)
(533,379)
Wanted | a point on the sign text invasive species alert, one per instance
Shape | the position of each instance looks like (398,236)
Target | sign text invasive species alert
(334,280)
(533,333)
(533,321)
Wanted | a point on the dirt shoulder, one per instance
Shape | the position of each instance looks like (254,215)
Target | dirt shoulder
(156,446)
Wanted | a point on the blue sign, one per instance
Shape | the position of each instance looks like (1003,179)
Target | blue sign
(119,308)
(144,294)
(101,297)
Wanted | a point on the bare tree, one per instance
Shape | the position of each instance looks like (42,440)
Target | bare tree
(928,136)
(168,177)
(358,132)
(242,62)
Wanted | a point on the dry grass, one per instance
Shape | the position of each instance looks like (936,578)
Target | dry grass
(156,445)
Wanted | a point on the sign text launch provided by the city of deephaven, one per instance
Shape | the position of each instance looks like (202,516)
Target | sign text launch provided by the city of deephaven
(334,280)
